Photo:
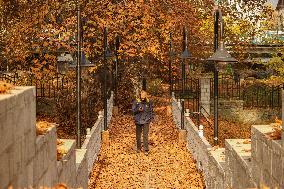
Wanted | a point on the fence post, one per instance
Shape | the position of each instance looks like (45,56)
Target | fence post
(205,95)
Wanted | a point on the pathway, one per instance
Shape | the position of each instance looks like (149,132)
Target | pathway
(169,164)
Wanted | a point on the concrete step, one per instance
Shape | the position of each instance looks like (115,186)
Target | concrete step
(81,168)
(66,166)
(238,164)
(267,157)
(217,168)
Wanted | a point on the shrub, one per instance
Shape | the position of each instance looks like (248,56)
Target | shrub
(155,86)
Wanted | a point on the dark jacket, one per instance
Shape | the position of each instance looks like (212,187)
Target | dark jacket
(145,116)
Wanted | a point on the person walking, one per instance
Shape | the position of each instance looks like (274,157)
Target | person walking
(142,109)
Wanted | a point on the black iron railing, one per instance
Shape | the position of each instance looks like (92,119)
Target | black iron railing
(191,93)
(8,77)
(262,96)
(229,88)
(56,99)
(254,95)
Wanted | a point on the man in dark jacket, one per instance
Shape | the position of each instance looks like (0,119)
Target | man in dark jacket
(142,109)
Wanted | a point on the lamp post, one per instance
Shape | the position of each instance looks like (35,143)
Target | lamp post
(107,55)
(78,74)
(170,64)
(81,61)
(185,55)
(116,48)
(216,80)
(221,57)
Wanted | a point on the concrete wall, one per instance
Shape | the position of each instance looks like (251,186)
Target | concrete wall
(27,160)
(18,131)
(267,157)
(243,163)
(176,107)
(205,95)
(94,138)
(196,144)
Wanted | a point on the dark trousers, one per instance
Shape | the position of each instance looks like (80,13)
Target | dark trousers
(145,128)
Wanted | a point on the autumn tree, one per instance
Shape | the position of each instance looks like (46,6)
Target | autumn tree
(43,27)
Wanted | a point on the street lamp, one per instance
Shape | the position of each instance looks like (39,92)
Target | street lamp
(63,61)
(221,58)
(81,61)
(184,56)
(107,55)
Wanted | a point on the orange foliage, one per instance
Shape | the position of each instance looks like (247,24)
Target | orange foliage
(5,87)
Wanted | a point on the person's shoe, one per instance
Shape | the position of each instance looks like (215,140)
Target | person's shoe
(146,153)
(138,150)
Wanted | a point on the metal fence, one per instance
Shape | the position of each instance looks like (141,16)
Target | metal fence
(9,77)
(48,87)
(45,88)
(254,95)
(56,99)
(228,87)
(191,93)
(262,96)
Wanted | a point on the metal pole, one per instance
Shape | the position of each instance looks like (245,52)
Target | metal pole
(185,48)
(105,79)
(216,28)
(170,64)
(79,53)
(182,113)
(183,77)
(183,74)
(117,41)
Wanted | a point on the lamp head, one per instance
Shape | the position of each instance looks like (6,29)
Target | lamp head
(222,55)
(185,54)
(85,62)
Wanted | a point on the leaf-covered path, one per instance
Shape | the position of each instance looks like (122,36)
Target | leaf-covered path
(169,164)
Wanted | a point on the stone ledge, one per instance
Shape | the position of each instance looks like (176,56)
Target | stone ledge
(11,99)
(216,169)
(41,139)
(239,163)
(66,167)
(190,126)
(259,141)
(218,157)
(96,126)
(16,115)
(267,156)
(45,154)
(240,151)
(261,130)
(93,143)
(81,169)
(69,145)
(80,157)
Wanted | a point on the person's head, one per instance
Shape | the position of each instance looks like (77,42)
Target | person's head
(143,95)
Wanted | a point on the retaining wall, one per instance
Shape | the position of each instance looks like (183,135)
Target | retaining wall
(243,163)
(196,144)
(27,160)
(93,138)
